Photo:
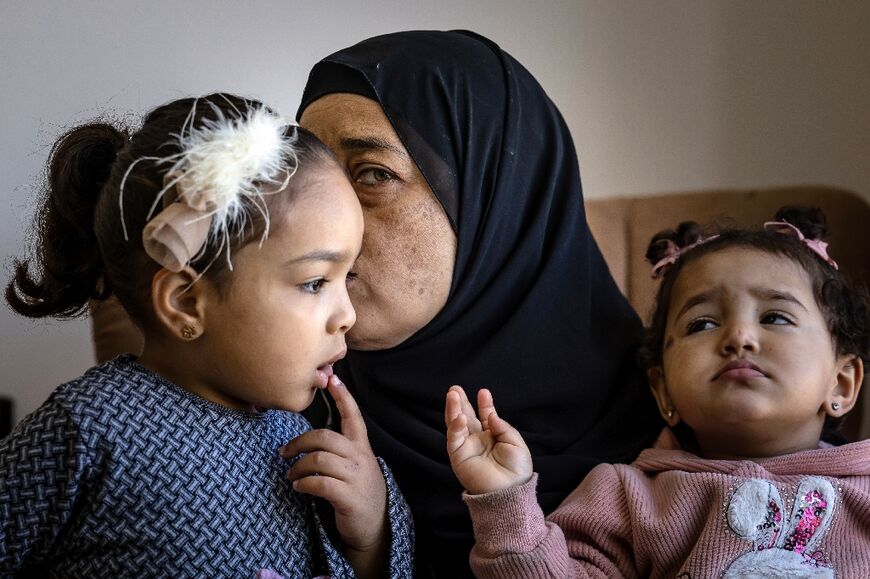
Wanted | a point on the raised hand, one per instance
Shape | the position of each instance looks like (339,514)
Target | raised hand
(342,469)
(487,454)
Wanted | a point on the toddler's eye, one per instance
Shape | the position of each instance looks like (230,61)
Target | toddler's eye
(314,286)
(374,176)
(700,325)
(776,319)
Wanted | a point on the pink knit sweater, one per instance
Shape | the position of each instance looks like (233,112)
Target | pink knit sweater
(673,514)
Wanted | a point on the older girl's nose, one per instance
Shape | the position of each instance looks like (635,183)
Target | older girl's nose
(344,316)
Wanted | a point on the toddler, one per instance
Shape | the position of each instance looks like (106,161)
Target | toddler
(228,235)
(757,344)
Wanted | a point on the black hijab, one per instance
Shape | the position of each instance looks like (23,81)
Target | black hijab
(533,313)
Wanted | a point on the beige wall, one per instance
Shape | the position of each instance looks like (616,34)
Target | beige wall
(660,96)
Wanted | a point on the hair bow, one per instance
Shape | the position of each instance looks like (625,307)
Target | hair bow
(673,253)
(817,246)
(220,164)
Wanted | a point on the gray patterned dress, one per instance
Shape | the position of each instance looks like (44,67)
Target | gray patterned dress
(120,473)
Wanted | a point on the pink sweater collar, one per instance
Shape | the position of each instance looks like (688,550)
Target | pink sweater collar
(848,459)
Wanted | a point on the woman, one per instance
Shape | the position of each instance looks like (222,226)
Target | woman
(478,269)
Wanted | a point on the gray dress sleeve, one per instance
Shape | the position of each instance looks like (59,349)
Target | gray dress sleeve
(43,469)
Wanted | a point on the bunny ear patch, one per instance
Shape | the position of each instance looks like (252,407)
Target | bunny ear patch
(781,547)
(755,513)
(811,516)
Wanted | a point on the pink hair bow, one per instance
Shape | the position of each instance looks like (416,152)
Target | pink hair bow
(176,235)
(817,246)
(674,253)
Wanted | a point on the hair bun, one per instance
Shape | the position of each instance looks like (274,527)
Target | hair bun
(809,220)
(661,244)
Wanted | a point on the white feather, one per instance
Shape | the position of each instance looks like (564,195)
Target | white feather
(224,161)
(231,159)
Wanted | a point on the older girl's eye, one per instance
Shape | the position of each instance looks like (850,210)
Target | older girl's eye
(314,286)
(700,325)
(776,319)
(374,176)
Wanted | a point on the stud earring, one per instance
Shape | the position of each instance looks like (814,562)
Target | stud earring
(670,413)
(188,332)
(835,406)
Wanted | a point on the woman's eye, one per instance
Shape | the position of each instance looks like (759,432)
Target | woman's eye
(374,176)
(314,286)
(776,318)
(700,325)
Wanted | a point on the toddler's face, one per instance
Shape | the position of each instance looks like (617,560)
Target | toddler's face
(281,320)
(748,361)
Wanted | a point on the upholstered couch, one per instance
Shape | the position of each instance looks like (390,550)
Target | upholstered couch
(623,227)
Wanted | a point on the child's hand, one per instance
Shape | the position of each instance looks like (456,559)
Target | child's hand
(342,469)
(487,454)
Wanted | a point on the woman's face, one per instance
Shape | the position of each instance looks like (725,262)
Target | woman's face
(404,273)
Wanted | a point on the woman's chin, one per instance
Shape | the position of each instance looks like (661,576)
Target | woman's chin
(366,343)
(367,339)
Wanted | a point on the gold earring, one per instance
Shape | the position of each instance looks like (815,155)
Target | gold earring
(188,332)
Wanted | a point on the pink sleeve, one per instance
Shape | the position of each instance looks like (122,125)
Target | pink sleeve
(596,522)
(514,539)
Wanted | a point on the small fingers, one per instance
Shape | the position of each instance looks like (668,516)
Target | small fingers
(457,433)
(485,407)
(314,440)
(324,487)
(319,463)
(452,405)
(352,423)
(502,431)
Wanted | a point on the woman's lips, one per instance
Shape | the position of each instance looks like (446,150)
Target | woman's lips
(739,370)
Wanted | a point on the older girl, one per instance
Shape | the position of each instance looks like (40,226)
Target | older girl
(227,234)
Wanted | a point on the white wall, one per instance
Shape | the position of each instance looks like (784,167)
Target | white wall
(660,96)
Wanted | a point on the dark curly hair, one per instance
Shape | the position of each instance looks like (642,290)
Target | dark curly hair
(81,253)
(845,304)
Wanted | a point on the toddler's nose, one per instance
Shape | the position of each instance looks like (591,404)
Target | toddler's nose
(739,337)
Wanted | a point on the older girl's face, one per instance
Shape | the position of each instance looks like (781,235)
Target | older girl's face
(403,276)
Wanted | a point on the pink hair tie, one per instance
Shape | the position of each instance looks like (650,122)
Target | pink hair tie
(817,246)
(675,252)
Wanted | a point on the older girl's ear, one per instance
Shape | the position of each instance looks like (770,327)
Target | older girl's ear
(180,300)
(659,389)
(844,395)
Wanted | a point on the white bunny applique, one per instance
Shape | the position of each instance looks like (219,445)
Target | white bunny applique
(782,545)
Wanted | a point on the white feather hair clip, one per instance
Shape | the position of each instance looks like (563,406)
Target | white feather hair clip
(218,176)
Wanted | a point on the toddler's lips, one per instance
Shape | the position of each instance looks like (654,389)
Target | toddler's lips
(741,374)
(739,370)
(323,373)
